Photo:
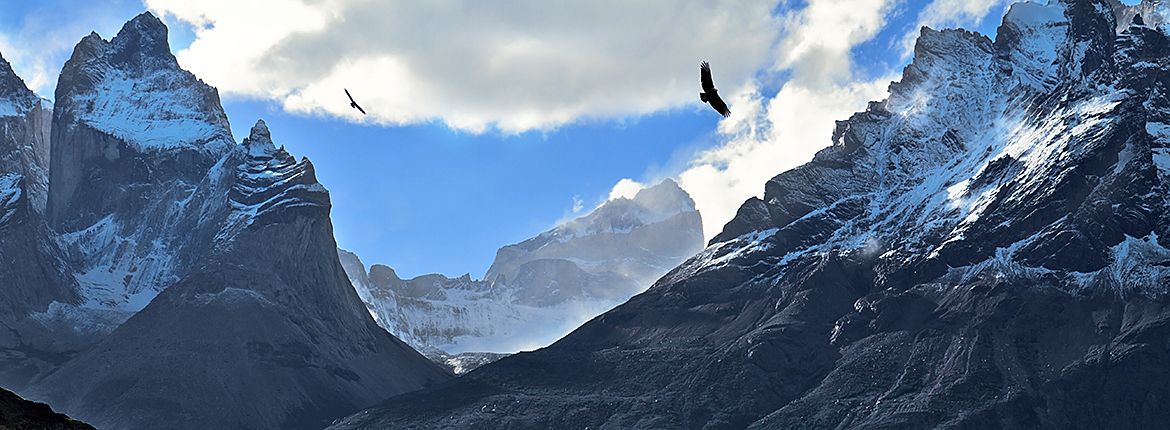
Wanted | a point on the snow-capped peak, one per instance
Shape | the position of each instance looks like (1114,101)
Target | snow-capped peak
(1016,156)
(132,88)
(271,184)
(621,215)
(259,141)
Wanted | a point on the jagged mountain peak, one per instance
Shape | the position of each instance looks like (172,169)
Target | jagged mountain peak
(132,88)
(142,44)
(1154,13)
(665,197)
(272,186)
(961,105)
(15,97)
(259,140)
(621,215)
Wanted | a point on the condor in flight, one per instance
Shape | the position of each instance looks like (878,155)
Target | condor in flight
(352,103)
(710,95)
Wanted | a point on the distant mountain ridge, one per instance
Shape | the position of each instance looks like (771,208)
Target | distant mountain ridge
(538,290)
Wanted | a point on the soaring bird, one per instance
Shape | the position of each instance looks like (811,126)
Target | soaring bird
(354,104)
(710,95)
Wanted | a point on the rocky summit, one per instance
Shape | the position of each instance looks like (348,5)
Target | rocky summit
(989,247)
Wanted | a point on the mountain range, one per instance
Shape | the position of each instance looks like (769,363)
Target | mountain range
(988,247)
(538,290)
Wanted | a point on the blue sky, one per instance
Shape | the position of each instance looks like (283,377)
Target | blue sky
(425,196)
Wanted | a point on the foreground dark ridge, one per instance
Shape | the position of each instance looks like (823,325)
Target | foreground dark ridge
(987,248)
(20,414)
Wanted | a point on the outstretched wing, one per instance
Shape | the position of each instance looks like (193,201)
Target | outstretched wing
(705,77)
(352,103)
(719,105)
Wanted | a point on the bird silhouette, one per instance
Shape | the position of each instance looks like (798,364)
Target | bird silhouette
(354,104)
(710,95)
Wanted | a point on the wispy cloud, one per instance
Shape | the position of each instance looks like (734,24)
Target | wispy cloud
(578,204)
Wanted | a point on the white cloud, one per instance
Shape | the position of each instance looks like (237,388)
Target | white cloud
(625,188)
(513,65)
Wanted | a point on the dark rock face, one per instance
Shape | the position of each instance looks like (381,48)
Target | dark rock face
(32,267)
(127,117)
(984,249)
(269,321)
(20,414)
(33,275)
(24,135)
(134,140)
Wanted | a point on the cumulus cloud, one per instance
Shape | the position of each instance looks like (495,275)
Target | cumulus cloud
(625,188)
(510,65)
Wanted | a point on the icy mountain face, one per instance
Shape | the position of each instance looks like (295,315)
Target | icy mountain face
(24,135)
(15,98)
(265,333)
(540,289)
(987,248)
(137,148)
(1040,136)
(621,247)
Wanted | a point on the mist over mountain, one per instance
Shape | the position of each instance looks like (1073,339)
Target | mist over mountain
(985,248)
(538,290)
